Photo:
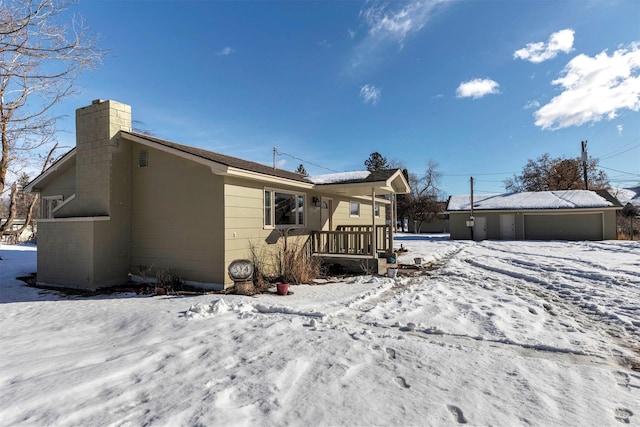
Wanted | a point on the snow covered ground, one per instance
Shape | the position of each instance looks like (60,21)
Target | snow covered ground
(496,333)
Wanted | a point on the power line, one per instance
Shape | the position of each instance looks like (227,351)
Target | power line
(473,174)
(621,152)
(302,160)
(619,171)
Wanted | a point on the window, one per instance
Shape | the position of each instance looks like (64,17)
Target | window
(283,209)
(376,210)
(354,208)
(49,204)
(267,209)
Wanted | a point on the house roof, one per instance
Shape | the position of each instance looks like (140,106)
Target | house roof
(222,159)
(385,180)
(534,200)
(391,180)
(360,182)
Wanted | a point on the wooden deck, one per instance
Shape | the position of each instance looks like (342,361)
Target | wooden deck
(356,240)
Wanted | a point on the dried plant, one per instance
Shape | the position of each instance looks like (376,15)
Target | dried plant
(294,263)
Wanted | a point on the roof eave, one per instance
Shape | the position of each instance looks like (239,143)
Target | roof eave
(581,208)
(217,168)
(257,176)
(35,185)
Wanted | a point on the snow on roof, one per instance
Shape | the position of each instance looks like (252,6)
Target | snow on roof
(334,178)
(627,195)
(530,200)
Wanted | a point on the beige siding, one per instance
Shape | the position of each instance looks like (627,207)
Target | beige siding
(177,217)
(244,222)
(342,214)
(458,229)
(64,184)
(111,251)
(545,225)
(76,249)
(610,227)
(58,244)
(587,226)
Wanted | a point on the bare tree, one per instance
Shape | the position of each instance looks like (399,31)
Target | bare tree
(548,174)
(423,203)
(21,204)
(630,211)
(39,62)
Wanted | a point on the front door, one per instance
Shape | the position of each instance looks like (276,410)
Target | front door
(507,226)
(480,228)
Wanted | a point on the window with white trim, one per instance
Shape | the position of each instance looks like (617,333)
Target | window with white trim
(49,204)
(354,208)
(283,209)
(376,210)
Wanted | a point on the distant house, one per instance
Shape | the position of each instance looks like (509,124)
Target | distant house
(121,202)
(627,195)
(27,234)
(544,215)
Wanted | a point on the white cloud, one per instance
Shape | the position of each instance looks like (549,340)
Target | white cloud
(531,104)
(620,129)
(387,25)
(370,94)
(477,88)
(226,51)
(561,41)
(389,22)
(594,88)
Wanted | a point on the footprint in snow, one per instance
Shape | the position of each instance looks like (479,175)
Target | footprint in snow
(623,415)
(457,414)
(391,353)
(402,382)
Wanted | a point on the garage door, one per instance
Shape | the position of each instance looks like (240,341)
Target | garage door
(563,227)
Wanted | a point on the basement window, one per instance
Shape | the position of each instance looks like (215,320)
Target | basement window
(143,159)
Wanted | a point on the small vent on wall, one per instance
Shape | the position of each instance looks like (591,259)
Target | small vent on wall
(143,160)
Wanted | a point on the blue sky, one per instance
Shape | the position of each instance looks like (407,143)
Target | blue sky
(478,86)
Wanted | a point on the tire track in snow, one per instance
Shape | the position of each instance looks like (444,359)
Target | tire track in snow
(403,284)
(585,313)
(533,282)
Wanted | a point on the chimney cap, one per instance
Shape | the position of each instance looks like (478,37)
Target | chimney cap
(97,101)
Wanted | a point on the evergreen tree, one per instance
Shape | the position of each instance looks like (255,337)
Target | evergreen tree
(376,162)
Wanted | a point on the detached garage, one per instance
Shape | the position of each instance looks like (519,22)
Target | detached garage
(542,215)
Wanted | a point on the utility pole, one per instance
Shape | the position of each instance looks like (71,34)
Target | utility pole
(275,151)
(584,164)
(471,222)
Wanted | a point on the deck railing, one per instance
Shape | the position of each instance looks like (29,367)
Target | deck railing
(350,240)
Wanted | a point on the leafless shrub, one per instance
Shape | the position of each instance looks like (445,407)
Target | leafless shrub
(294,264)
(258,257)
(366,267)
